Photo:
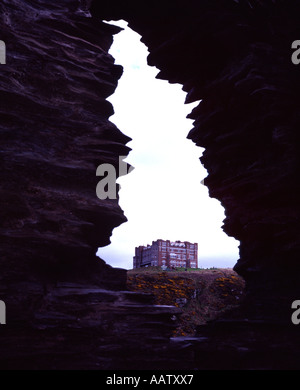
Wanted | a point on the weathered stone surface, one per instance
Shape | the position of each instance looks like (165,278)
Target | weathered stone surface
(65,306)
(85,327)
(54,133)
(235,55)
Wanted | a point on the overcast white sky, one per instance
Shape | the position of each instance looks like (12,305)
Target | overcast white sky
(162,197)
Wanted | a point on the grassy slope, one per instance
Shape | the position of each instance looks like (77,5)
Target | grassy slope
(201,294)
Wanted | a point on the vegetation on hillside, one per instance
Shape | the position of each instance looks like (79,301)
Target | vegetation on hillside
(202,294)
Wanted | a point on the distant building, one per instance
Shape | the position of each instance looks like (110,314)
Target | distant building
(167,253)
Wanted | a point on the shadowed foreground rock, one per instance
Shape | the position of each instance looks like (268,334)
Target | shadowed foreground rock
(235,55)
(65,306)
(85,327)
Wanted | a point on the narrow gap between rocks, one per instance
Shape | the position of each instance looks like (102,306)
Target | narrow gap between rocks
(163,198)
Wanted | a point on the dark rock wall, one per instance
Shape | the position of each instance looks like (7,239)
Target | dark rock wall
(236,57)
(65,308)
(55,131)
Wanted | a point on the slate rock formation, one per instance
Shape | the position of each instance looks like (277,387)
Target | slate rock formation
(55,131)
(235,55)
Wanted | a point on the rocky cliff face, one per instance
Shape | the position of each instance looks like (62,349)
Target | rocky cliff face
(55,131)
(236,57)
(65,308)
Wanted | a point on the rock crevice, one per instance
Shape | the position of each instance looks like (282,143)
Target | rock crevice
(235,56)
